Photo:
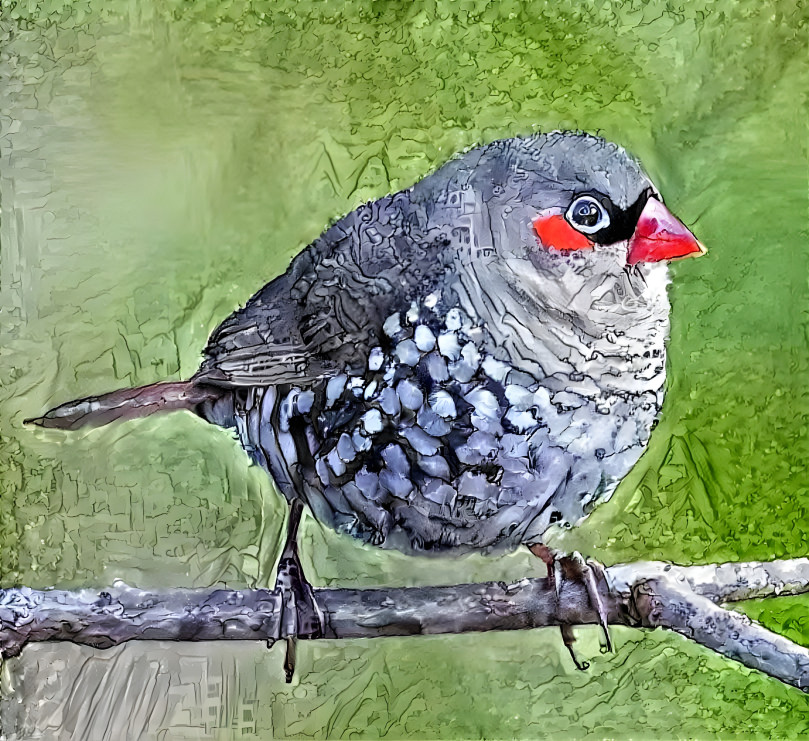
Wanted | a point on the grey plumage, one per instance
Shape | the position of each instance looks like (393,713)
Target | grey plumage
(428,376)
(499,368)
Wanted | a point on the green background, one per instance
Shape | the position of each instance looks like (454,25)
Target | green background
(162,160)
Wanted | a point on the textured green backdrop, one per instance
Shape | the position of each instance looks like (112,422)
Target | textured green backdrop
(162,160)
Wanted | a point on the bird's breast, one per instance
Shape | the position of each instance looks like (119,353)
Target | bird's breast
(440,445)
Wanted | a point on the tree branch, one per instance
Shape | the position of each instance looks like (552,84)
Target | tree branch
(648,595)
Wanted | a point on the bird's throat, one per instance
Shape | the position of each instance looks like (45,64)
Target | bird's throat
(610,328)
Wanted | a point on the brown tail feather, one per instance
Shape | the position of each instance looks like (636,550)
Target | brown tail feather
(127,404)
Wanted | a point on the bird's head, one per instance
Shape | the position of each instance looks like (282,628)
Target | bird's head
(600,200)
(568,219)
(560,234)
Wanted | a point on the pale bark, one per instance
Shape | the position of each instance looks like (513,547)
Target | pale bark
(643,595)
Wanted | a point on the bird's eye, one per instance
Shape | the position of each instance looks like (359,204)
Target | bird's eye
(587,215)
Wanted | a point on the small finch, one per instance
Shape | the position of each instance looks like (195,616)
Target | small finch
(457,366)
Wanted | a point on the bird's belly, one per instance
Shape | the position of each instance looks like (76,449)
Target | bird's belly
(436,446)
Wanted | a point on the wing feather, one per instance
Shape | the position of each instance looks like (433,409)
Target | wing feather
(325,314)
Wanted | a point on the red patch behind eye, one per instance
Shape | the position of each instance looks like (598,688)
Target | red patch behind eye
(555,233)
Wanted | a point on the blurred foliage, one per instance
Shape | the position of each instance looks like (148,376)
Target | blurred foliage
(162,160)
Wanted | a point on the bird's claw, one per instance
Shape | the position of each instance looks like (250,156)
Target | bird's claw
(589,571)
(300,615)
(593,572)
(569,639)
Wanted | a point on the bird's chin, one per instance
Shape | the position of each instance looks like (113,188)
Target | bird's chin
(649,278)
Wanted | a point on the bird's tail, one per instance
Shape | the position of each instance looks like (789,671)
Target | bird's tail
(128,404)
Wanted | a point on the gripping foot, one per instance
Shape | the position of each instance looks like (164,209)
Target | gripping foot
(300,615)
(588,571)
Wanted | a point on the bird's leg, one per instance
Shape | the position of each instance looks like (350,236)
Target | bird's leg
(300,615)
(576,567)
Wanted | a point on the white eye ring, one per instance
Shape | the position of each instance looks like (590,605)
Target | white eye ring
(587,215)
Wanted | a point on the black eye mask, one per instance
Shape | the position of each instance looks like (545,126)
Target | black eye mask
(622,221)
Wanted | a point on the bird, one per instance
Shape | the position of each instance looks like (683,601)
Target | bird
(459,366)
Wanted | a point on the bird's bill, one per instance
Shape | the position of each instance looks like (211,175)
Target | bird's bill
(659,235)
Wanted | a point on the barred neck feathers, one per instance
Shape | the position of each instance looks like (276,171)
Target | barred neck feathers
(578,317)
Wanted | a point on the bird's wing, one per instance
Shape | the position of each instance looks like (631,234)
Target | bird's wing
(261,344)
(323,316)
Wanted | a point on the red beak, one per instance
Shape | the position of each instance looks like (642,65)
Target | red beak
(659,235)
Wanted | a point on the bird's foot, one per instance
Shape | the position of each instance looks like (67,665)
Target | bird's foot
(569,639)
(300,615)
(588,571)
